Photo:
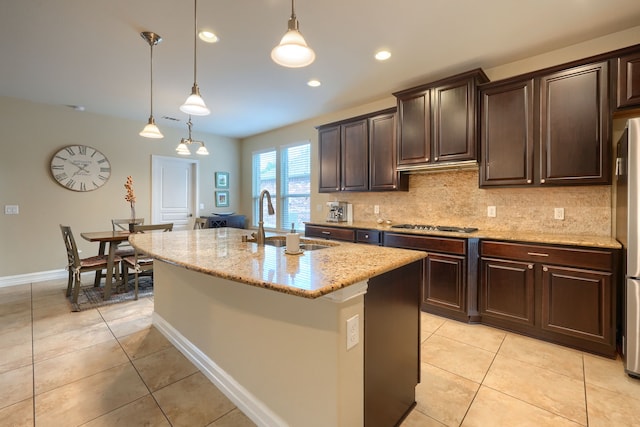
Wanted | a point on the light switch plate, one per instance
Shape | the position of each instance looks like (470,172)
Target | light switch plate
(558,213)
(491,211)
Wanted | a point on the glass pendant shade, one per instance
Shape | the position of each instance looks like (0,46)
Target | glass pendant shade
(293,51)
(203,151)
(151,130)
(194,104)
(182,149)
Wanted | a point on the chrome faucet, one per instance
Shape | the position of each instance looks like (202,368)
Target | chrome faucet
(260,236)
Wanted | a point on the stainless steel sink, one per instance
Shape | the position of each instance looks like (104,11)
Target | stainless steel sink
(312,246)
(280,242)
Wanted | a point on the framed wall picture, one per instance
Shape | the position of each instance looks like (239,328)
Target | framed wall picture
(222,179)
(222,199)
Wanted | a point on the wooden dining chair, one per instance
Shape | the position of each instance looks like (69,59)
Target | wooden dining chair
(200,223)
(141,263)
(77,265)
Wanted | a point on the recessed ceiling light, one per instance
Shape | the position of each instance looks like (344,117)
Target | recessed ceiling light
(383,55)
(314,83)
(208,36)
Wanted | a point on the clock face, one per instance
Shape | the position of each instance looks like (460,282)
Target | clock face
(80,168)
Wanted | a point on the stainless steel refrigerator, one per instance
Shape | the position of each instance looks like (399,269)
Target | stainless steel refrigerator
(628,233)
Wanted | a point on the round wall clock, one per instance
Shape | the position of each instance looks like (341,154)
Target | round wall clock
(80,168)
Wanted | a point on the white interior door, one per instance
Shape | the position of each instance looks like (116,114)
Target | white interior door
(174,191)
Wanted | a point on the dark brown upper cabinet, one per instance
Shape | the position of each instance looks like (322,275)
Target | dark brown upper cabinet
(546,128)
(628,80)
(358,154)
(437,122)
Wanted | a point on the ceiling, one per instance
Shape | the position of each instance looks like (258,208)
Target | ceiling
(90,53)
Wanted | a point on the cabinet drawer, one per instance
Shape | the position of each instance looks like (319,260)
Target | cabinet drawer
(336,233)
(573,257)
(368,236)
(425,243)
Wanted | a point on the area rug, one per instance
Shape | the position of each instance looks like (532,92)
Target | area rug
(92,297)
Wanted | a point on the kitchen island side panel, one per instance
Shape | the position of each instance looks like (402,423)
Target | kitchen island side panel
(287,353)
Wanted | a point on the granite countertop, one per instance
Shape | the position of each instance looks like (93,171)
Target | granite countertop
(512,236)
(221,252)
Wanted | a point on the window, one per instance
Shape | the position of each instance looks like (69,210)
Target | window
(286,174)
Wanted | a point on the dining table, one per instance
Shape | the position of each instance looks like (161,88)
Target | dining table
(113,238)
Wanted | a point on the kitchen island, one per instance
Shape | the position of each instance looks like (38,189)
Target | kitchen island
(329,337)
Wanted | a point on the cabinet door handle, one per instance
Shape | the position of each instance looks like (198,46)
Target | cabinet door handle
(545,269)
(366,236)
(542,181)
(528,181)
(530,266)
(328,233)
(426,159)
(435,159)
(537,254)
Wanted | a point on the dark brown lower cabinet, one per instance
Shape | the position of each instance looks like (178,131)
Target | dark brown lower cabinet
(449,284)
(560,294)
(391,345)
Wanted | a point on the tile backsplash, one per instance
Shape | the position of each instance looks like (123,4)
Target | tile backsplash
(453,198)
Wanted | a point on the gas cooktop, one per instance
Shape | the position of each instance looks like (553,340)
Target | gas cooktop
(436,228)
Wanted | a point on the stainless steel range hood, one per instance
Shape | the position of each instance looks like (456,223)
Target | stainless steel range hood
(439,167)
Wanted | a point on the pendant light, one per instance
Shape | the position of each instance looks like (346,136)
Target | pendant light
(151,130)
(183,148)
(293,51)
(195,104)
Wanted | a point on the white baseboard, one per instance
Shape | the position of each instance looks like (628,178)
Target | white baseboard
(40,276)
(252,407)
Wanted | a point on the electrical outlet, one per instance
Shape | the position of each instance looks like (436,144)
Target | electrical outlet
(376,209)
(558,213)
(353,331)
(491,211)
(11,210)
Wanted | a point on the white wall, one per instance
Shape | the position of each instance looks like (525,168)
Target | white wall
(31,133)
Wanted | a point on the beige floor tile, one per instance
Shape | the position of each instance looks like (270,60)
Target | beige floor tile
(444,396)
(144,343)
(57,307)
(18,415)
(142,412)
(559,394)
(492,408)
(15,306)
(562,360)
(418,419)
(16,356)
(456,357)
(15,289)
(64,322)
(430,323)
(69,367)
(83,400)
(163,368)
(234,418)
(609,409)
(17,385)
(13,321)
(66,342)
(481,336)
(132,323)
(609,374)
(116,311)
(193,401)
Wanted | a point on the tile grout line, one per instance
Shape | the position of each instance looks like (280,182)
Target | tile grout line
(584,384)
(33,356)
